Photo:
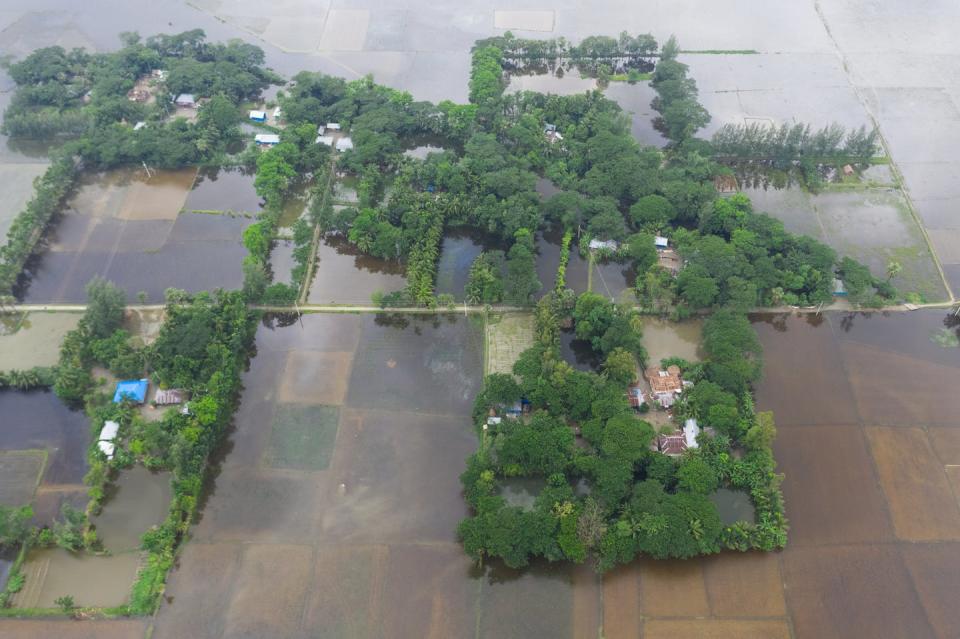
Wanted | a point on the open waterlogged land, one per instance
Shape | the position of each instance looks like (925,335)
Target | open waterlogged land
(334,508)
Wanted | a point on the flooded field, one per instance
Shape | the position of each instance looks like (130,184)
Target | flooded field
(345,276)
(459,249)
(33,339)
(16,189)
(128,228)
(223,190)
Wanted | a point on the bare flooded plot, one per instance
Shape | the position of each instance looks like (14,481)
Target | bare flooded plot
(198,600)
(416,364)
(547,83)
(534,602)
(346,601)
(507,336)
(852,591)
(830,489)
(673,588)
(393,472)
(789,381)
(876,226)
(127,229)
(744,585)
(442,601)
(267,506)
(302,436)
(458,251)
(935,569)
(548,259)
(269,592)
(345,276)
(946,444)
(922,504)
(70,629)
(315,377)
(715,629)
(223,190)
(38,420)
(613,280)
(919,334)
(19,475)
(792,206)
(35,340)
(621,602)
(896,390)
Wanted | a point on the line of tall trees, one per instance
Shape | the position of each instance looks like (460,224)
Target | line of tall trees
(781,146)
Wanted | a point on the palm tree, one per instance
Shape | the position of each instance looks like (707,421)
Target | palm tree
(894,268)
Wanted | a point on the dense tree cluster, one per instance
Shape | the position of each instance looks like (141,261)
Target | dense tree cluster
(629,499)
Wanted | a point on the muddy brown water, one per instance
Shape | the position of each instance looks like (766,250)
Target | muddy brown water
(136,500)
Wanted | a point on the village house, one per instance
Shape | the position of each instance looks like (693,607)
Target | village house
(186,100)
(134,390)
(344,144)
(665,385)
(258,116)
(604,245)
(166,397)
(105,442)
(266,140)
(550,132)
(674,444)
(324,139)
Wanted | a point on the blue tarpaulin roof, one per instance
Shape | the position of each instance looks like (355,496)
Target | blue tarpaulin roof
(135,389)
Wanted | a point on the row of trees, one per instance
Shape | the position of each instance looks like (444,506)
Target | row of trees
(782,146)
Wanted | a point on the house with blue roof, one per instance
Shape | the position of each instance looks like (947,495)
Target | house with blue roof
(132,389)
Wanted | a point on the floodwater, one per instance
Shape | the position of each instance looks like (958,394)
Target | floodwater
(136,500)
(459,249)
(635,100)
(92,580)
(36,340)
(578,353)
(733,506)
(567,84)
(522,491)
(128,228)
(548,259)
(344,275)
(281,260)
(664,339)
(38,420)
(224,190)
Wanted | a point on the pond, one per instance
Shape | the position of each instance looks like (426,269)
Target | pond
(733,506)
(135,501)
(548,83)
(522,491)
(460,247)
(578,352)
(92,580)
(635,100)
(663,338)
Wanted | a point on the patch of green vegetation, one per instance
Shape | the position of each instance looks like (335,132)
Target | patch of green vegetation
(945,338)
(626,77)
(302,436)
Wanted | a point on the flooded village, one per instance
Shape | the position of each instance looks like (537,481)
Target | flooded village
(291,462)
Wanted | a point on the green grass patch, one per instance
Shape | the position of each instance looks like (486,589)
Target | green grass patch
(302,436)
(623,77)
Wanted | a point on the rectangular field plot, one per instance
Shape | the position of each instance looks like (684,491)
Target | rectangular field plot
(507,337)
(921,502)
(19,473)
(36,341)
(715,629)
(315,377)
(534,602)
(673,589)
(414,363)
(621,602)
(302,436)
(346,600)
(744,585)
(934,568)
(837,592)
(830,486)
(269,592)
(16,188)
